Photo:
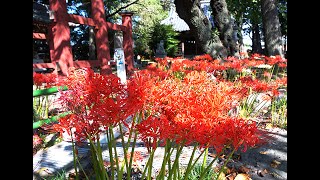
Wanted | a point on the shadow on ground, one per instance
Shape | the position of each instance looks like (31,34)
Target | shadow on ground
(268,161)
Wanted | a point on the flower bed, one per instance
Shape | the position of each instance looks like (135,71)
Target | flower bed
(174,103)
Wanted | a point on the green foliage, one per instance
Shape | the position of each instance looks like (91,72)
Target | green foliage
(147,13)
(166,33)
(215,32)
(282,9)
(279,112)
(249,106)
(59,176)
(196,172)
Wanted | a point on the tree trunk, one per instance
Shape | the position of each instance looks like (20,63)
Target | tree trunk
(200,27)
(271,28)
(225,25)
(256,39)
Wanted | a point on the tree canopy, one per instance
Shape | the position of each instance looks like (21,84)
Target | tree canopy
(222,40)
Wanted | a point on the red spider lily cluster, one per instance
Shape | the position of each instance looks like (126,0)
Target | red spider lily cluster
(195,110)
(191,109)
(206,63)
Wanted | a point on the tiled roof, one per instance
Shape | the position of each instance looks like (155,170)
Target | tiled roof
(177,23)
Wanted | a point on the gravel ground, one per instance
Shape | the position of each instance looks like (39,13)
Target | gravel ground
(269,161)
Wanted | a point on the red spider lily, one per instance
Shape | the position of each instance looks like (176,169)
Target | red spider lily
(267,74)
(272,60)
(250,62)
(257,56)
(154,129)
(282,65)
(36,140)
(178,66)
(246,79)
(281,81)
(137,156)
(137,88)
(48,79)
(187,65)
(237,132)
(95,100)
(255,84)
(204,57)
(244,55)
(79,126)
(162,61)
(234,63)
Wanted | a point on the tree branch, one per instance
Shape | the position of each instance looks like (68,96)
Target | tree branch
(121,8)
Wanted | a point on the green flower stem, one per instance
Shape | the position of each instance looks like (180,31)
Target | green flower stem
(209,166)
(178,171)
(74,156)
(99,150)
(190,162)
(248,107)
(225,163)
(132,150)
(169,167)
(46,115)
(130,134)
(276,69)
(175,166)
(167,153)
(195,162)
(97,159)
(36,116)
(94,160)
(273,111)
(148,166)
(110,152)
(115,152)
(124,147)
(204,162)
(80,166)
(133,130)
(40,105)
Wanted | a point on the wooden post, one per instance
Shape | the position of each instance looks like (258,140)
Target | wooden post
(127,40)
(60,50)
(54,60)
(101,30)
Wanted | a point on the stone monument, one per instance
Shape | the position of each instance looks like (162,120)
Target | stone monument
(160,51)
